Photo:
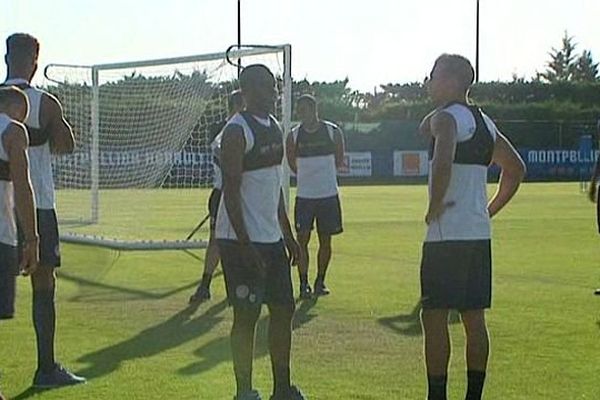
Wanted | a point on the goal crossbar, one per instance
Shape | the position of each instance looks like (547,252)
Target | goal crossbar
(233,53)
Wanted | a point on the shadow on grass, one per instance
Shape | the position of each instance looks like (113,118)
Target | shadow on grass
(303,315)
(30,392)
(218,350)
(132,294)
(410,324)
(175,331)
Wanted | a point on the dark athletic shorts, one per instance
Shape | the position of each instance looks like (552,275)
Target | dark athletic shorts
(456,275)
(9,270)
(327,211)
(47,225)
(213,207)
(245,285)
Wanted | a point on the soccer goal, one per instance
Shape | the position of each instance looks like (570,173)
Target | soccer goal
(141,172)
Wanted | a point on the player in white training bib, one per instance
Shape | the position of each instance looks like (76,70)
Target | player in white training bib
(235,104)
(456,265)
(315,150)
(48,133)
(253,233)
(15,193)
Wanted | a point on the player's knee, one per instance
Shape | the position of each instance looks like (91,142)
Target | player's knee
(43,278)
(474,322)
(434,317)
(8,285)
(325,241)
(283,312)
(303,238)
(246,314)
(325,246)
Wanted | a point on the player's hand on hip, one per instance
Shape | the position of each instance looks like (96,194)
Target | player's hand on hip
(30,257)
(435,212)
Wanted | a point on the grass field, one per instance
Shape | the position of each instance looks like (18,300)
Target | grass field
(124,324)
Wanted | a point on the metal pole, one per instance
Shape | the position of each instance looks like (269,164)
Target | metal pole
(287,116)
(95,151)
(477,45)
(239,33)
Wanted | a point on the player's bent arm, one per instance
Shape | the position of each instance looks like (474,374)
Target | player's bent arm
(443,129)
(232,155)
(340,150)
(16,142)
(290,151)
(511,175)
(61,134)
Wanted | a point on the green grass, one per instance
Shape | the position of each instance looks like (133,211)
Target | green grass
(124,325)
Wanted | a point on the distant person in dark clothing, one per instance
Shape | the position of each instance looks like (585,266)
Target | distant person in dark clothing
(593,190)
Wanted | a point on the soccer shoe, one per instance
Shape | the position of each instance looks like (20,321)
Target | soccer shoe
(59,376)
(597,292)
(2,397)
(293,394)
(321,289)
(305,292)
(201,295)
(249,395)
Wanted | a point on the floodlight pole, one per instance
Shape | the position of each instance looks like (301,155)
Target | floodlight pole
(477,44)
(239,33)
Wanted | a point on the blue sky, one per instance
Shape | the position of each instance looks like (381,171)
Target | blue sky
(371,42)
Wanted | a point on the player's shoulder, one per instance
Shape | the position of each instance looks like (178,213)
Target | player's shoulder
(50,101)
(458,111)
(16,133)
(330,124)
(490,124)
(236,119)
(273,119)
(234,126)
(333,129)
(444,116)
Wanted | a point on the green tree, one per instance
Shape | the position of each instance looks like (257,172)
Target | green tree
(566,66)
(584,68)
(337,101)
(560,67)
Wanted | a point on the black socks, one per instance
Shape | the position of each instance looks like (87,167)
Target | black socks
(44,322)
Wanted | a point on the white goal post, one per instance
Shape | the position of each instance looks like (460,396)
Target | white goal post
(141,172)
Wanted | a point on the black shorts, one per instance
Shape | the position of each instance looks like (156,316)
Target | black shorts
(47,225)
(245,285)
(327,211)
(213,207)
(456,275)
(9,270)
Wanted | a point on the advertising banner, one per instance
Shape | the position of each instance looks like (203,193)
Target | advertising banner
(411,163)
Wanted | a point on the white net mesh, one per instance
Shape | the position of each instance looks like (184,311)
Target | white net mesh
(146,174)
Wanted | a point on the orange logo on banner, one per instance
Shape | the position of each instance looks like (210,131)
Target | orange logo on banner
(411,163)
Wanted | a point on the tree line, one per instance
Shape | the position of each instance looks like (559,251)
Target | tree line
(567,89)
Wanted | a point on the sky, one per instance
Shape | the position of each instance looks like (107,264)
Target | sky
(371,42)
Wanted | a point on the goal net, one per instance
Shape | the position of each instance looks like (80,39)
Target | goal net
(142,169)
